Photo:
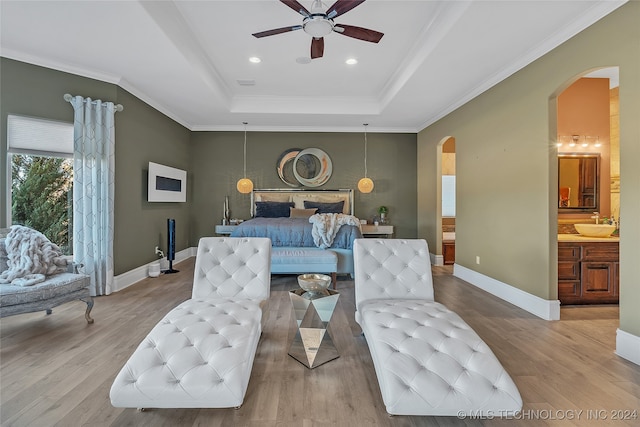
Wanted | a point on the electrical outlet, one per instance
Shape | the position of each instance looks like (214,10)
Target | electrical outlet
(477,259)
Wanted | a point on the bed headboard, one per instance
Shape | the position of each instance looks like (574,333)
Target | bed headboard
(299,195)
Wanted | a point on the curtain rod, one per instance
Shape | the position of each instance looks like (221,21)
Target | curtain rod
(67,97)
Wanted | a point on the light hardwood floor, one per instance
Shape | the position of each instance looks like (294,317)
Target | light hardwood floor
(57,369)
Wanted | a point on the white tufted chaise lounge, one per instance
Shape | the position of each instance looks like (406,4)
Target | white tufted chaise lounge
(201,353)
(427,359)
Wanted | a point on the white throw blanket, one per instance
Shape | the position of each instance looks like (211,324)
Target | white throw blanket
(31,257)
(326,226)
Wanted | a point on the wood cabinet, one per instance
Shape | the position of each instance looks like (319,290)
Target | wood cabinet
(588,272)
(449,251)
(588,182)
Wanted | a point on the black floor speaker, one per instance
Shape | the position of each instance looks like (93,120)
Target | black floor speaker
(171,245)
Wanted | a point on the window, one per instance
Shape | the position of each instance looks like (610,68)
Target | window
(40,157)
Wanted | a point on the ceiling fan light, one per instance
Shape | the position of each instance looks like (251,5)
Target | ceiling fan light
(317,26)
(365,185)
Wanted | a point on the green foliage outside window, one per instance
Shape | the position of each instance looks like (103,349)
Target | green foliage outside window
(41,196)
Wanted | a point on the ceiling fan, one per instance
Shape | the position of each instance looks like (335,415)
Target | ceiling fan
(319,22)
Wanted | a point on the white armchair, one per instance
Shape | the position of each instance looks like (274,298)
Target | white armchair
(427,359)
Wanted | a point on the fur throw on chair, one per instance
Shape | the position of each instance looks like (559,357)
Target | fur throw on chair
(31,257)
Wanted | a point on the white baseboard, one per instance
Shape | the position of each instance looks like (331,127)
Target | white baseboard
(628,346)
(124,280)
(436,259)
(545,309)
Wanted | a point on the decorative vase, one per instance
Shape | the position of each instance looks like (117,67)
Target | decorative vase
(226,214)
(154,269)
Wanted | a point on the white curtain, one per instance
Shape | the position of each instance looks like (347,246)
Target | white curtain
(93,190)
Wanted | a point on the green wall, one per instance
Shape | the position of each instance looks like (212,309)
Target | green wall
(213,161)
(142,135)
(506,165)
(35,91)
(216,164)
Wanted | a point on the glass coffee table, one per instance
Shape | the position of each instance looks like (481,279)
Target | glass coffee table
(313,345)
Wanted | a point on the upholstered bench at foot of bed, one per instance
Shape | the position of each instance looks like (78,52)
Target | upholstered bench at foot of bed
(199,355)
(57,289)
(304,260)
(430,362)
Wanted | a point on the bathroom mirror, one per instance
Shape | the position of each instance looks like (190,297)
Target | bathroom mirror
(578,182)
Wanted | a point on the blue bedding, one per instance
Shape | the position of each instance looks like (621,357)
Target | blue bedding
(293,232)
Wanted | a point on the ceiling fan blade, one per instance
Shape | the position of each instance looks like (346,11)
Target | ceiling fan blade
(358,33)
(293,4)
(277,31)
(317,47)
(341,7)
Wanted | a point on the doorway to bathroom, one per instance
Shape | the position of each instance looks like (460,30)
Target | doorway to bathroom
(449,201)
(588,128)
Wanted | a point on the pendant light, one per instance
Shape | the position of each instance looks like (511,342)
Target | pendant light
(365,185)
(245,185)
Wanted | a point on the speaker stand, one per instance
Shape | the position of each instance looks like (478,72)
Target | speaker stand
(171,270)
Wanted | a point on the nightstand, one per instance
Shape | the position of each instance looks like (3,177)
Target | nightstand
(225,230)
(371,230)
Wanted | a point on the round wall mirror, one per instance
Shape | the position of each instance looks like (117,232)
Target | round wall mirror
(312,167)
(285,167)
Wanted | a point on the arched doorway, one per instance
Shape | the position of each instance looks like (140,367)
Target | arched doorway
(447,201)
(585,126)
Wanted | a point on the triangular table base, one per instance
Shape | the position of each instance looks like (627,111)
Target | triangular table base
(312,345)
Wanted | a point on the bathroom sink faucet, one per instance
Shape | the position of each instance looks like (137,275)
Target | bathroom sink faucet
(596,215)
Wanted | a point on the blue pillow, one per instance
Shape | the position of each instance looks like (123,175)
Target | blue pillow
(336,207)
(273,209)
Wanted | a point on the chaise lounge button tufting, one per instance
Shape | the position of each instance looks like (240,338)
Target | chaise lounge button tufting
(236,310)
(409,295)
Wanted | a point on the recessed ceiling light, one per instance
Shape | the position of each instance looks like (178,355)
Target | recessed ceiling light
(351,61)
(255,60)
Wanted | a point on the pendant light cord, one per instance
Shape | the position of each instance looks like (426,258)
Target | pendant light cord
(365,149)
(245,149)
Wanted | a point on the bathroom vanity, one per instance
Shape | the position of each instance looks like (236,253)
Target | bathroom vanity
(588,269)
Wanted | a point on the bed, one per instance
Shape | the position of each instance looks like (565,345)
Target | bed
(283,216)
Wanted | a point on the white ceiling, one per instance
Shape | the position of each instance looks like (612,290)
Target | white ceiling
(185,57)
